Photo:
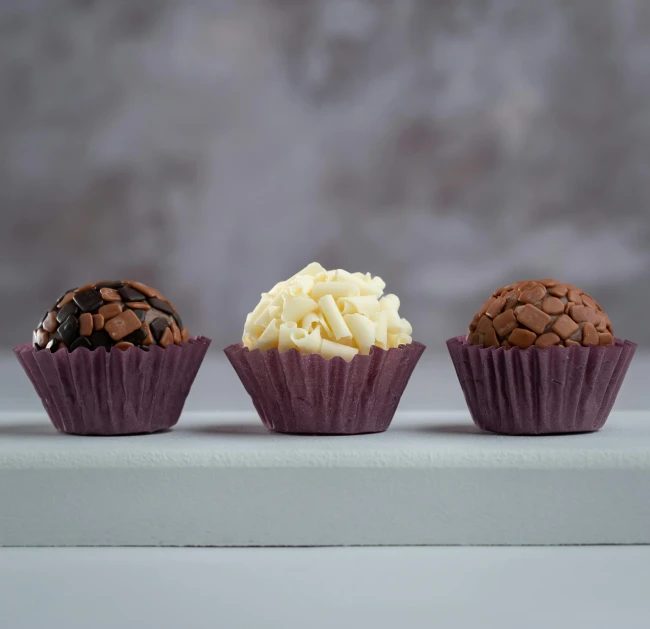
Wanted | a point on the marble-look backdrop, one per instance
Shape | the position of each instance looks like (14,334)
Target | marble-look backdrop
(211,148)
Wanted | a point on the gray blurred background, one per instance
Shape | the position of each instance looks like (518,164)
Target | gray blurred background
(211,148)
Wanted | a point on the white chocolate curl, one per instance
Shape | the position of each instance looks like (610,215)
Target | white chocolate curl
(331,313)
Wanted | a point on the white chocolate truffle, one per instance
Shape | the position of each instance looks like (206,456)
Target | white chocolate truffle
(332,313)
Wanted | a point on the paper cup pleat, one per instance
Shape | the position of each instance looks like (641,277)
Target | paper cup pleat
(114,393)
(307,394)
(534,391)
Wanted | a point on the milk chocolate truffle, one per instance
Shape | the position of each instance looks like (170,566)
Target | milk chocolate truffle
(542,313)
(119,313)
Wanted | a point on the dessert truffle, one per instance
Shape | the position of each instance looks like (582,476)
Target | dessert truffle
(117,313)
(542,313)
(540,358)
(332,313)
(325,352)
(104,392)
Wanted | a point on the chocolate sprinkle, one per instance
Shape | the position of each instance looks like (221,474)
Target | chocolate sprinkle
(82,341)
(61,297)
(136,337)
(541,313)
(141,314)
(61,327)
(163,306)
(89,300)
(47,312)
(158,327)
(100,338)
(69,309)
(129,293)
(109,284)
(69,329)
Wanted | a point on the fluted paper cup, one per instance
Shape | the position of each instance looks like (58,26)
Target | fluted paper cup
(308,394)
(114,393)
(540,391)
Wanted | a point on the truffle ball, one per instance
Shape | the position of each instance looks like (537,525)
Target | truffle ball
(116,313)
(541,313)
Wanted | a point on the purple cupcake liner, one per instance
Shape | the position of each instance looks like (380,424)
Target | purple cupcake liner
(540,391)
(114,393)
(308,394)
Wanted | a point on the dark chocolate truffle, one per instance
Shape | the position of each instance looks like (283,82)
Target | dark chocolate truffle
(110,313)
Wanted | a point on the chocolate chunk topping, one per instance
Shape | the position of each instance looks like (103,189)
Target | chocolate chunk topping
(141,314)
(589,335)
(69,309)
(60,299)
(89,300)
(101,314)
(109,284)
(605,338)
(574,296)
(40,321)
(138,305)
(50,323)
(491,339)
(534,318)
(505,323)
(559,290)
(484,324)
(167,308)
(496,307)
(82,341)
(146,290)
(533,295)
(122,345)
(136,337)
(564,326)
(53,345)
(69,330)
(129,293)
(41,337)
(67,298)
(546,340)
(110,310)
(100,338)
(122,325)
(157,327)
(167,338)
(161,305)
(109,294)
(552,306)
(85,324)
(149,339)
(522,338)
(544,313)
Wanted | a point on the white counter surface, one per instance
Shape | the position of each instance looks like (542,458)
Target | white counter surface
(325,588)
(220,479)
